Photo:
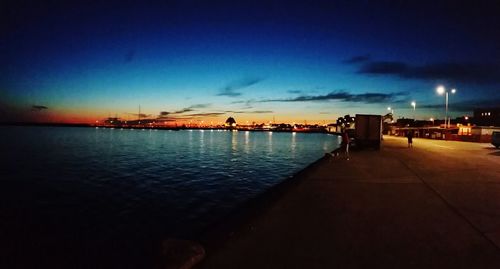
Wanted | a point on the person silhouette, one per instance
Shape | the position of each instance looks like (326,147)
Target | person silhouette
(409,135)
(344,145)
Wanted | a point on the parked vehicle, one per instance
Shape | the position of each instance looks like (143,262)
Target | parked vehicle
(368,130)
(495,139)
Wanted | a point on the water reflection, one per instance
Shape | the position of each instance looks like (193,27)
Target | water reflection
(234,141)
(270,142)
(158,181)
(247,142)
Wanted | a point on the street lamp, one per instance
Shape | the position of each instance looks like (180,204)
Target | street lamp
(392,113)
(432,119)
(413,104)
(441,90)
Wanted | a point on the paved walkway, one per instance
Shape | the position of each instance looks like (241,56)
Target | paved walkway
(434,206)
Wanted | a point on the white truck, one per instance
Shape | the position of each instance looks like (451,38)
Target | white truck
(368,131)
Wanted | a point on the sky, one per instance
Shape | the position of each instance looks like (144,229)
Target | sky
(258,61)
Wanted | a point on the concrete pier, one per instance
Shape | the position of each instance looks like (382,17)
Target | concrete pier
(436,205)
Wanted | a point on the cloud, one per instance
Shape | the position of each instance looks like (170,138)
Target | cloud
(344,96)
(357,59)
(294,92)
(182,111)
(187,109)
(384,67)
(182,114)
(38,108)
(469,72)
(232,88)
(206,114)
(466,105)
(247,103)
(167,119)
(200,106)
(250,112)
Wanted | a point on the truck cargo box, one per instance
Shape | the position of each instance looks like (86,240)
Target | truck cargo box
(368,130)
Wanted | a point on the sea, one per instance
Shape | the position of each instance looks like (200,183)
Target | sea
(78,196)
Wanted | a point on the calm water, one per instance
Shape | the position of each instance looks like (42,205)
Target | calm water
(86,190)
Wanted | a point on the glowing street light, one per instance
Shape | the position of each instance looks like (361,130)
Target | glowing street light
(392,112)
(413,104)
(441,90)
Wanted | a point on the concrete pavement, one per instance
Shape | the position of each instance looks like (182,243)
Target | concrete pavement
(434,206)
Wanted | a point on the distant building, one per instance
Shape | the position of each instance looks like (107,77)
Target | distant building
(404,122)
(487,116)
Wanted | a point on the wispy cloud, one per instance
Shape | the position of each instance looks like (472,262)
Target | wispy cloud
(232,89)
(347,97)
(294,91)
(182,111)
(247,104)
(249,112)
(185,113)
(467,105)
(204,114)
(200,106)
(357,59)
(188,109)
(471,72)
(38,108)
(385,67)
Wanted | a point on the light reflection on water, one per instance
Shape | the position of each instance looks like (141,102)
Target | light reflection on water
(156,183)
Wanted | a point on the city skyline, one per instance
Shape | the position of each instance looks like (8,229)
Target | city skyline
(291,61)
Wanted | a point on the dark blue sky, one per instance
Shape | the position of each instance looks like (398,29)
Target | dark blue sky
(206,60)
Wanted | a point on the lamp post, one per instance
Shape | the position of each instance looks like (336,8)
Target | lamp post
(442,90)
(392,113)
(413,104)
